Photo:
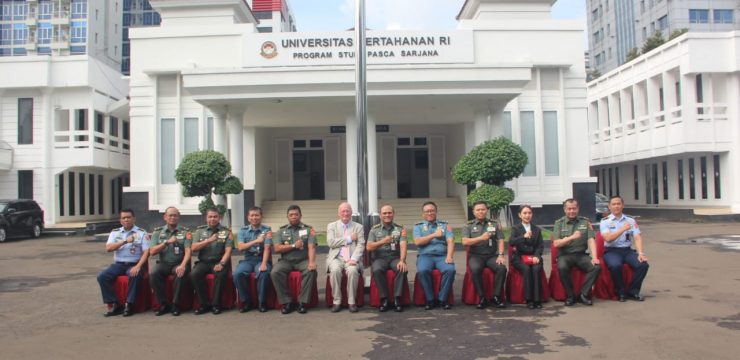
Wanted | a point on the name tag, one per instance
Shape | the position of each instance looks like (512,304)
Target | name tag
(302,232)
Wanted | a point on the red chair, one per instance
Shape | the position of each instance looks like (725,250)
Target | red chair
(228,293)
(515,285)
(420,300)
(359,295)
(294,288)
(604,286)
(270,296)
(577,275)
(469,295)
(186,293)
(141,303)
(390,277)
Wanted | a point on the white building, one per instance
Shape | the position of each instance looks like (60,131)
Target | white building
(616,26)
(281,105)
(665,128)
(273,15)
(64,133)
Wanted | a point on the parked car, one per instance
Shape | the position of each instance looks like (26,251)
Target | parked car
(20,217)
(602,206)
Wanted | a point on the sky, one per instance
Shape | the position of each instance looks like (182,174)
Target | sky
(337,15)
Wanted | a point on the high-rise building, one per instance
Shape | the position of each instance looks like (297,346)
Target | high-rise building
(273,15)
(61,27)
(136,13)
(617,26)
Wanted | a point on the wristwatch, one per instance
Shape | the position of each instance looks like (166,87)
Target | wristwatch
(292,246)
(222,263)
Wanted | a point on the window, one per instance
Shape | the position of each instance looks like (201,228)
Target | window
(209,133)
(665,180)
(191,135)
(91,193)
(82,193)
(616,178)
(71,190)
(25,184)
(43,34)
(703,169)
(722,16)
(552,164)
(167,155)
(20,34)
(717,182)
(100,194)
(20,10)
(692,183)
(46,8)
(528,142)
(603,181)
(5,34)
(698,16)
(79,32)
(79,9)
(60,179)
(699,94)
(636,181)
(680,179)
(663,22)
(610,183)
(25,121)
(507,124)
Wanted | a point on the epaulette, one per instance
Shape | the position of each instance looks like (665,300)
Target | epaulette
(377,226)
(158,228)
(202,227)
(470,222)
(285,226)
(584,218)
(183,228)
(397,225)
(420,223)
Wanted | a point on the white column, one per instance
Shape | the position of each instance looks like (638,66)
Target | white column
(250,157)
(372,167)
(350,149)
(236,158)
(480,126)
(730,169)
(219,130)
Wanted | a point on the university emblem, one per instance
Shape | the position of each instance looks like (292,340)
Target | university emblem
(268,50)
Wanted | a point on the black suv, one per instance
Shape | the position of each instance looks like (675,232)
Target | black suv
(20,217)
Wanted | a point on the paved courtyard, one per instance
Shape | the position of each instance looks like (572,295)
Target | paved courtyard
(50,308)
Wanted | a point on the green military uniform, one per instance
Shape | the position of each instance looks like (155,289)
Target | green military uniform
(208,257)
(574,253)
(169,259)
(484,254)
(296,259)
(387,258)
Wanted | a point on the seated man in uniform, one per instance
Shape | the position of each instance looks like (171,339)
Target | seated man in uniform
(486,241)
(255,240)
(618,231)
(296,242)
(346,241)
(213,242)
(387,242)
(573,236)
(436,244)
(129,245)
(172,242)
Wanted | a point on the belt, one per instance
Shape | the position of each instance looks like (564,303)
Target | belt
(125,263)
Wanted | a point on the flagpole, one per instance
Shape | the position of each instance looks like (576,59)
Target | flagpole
(361,111)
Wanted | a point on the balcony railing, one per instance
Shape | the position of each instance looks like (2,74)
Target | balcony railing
(89,139)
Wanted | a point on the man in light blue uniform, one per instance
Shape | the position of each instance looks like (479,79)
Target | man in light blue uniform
(436,244)
(255,240)
(619,231)
(129,245)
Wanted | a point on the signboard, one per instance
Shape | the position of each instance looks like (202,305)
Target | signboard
(338,48)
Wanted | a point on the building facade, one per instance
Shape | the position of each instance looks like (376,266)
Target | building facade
(64,130)
(281,105)
(615,27)
(665,128)
(136,13)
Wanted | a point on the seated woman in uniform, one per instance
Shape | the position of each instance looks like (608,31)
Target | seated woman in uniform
(526,240)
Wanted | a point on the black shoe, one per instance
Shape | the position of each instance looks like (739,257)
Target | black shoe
(202,310)
(583,299)
(497,302)
(622,298)
(246,306)
(163,309)
(263,307)
(216,310)
(383,305)
(287,309)
(114,310)
(569,302)
(336,308)
(636,297)
(302,308)
(353,308)
(175,310)
(397,307)
(530,305)
(538,305)
(429,305)
(481,303)
(446,305)
(128,310)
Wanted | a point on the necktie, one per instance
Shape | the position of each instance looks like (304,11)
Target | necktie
(345,248)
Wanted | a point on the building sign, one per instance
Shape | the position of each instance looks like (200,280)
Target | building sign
(383,47)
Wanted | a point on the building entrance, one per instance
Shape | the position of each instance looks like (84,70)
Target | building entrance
(413,172)
(308,174)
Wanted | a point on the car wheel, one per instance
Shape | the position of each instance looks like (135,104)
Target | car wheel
(2,234)
(36,231)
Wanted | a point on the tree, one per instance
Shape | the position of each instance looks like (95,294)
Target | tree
(632,55)
(493,163)
(653,42)
(676,33)
(202,173)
